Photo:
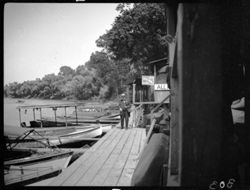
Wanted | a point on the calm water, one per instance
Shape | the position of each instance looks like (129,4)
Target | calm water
(11,114)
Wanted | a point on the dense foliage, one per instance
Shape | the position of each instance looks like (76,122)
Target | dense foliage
(138,33)
(136,37)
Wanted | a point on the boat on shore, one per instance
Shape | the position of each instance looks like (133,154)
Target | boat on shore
(41,137)
(36,167)
(24,166)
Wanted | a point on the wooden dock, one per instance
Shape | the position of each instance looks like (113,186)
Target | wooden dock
(109,162)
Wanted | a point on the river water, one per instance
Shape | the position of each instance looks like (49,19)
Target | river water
(11,113)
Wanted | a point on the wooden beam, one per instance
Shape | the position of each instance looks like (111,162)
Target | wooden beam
(50,106)
(174,170)
(66,123)
(134,93)
(34,115)
(76,115)
(153,110)
(54,113)
(20,120)
(41,117)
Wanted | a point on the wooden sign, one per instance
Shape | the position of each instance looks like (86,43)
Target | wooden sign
(161,87)
(147,80)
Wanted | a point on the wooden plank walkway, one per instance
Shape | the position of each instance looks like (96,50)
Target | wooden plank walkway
(109,162)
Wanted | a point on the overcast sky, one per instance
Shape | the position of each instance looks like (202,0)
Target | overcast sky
(40,38)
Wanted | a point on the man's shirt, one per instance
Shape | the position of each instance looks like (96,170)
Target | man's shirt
(124,105)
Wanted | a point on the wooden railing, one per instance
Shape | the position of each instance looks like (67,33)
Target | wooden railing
(137,115)
(153,121)
(159,105)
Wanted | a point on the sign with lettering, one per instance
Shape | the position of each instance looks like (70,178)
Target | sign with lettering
(161,87)
(147,80)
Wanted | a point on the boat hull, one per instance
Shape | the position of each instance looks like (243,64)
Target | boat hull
(21,172)
(59,136)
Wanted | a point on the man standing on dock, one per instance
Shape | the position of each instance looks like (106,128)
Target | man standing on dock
(124,112)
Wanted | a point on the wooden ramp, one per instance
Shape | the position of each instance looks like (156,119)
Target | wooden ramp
(109,162)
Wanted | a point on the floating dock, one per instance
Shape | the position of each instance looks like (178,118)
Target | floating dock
(109,162)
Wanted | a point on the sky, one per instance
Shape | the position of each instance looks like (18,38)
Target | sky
(39,38)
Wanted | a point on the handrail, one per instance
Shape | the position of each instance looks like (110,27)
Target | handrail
(150,130)
(153,123)
(137,114)
(153,110)
(50,106)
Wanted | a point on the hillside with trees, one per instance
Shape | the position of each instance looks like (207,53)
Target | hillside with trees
(136,37)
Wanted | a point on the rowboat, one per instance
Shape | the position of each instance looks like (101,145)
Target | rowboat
(106,127)
(73,137)
(57,136)
(34,168)
(24,166)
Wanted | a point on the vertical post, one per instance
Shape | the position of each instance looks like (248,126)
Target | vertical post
(174,171)
(41,117)
(155,71)
(127,91)
(76,116)
(40,113)
(154,79)
(34,117)
(133,93)
(65,116)
(55,114)
(20,121)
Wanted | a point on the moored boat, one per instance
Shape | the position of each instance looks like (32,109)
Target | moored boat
(31,169)
(106,127)
(52,136)
(24,166)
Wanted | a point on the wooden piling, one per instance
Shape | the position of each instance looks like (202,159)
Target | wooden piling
(20,121)
(41,117)
(65,117)
(34,116)
(76,116)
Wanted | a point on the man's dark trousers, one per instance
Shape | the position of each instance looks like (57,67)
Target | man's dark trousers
(124,115)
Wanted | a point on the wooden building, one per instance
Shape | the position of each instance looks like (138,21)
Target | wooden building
(161,74)
(208,52)
(140,93)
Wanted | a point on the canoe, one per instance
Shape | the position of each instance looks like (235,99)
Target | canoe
(73,137)
(35,168)
(37,158)
(106,127)
(52,137)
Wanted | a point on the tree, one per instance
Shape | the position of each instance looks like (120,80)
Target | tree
(137,34)
(13,90)
(25,89)
(66,71)
(105,71)
(101,63)
(83,87)
(81,70)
